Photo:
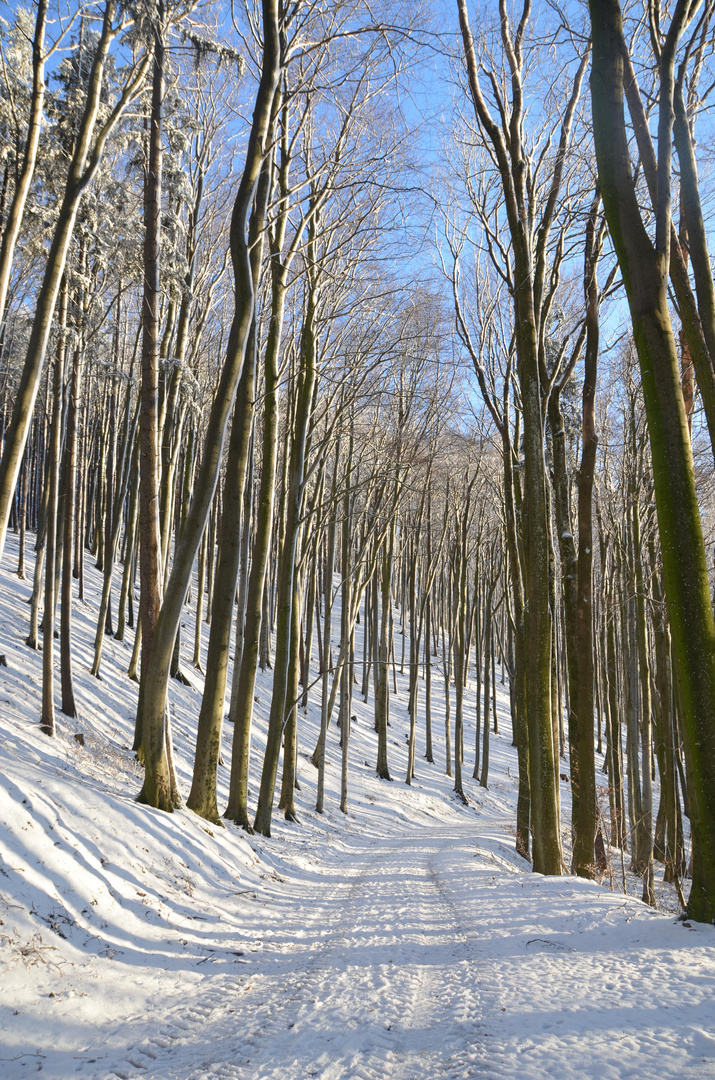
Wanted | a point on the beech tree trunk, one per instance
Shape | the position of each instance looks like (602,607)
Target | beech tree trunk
(156,678)
(644,266)
(287,569)
(148,742)
(47,719)
(202,798)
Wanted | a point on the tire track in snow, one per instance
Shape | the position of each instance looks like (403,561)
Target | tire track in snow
(390,985)
(399,986)
(483,1058)
(264,1032)
(181,1034)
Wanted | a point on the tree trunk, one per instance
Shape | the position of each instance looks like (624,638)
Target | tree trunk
(69,707)
(287,569)
(47,719)
(320,750)
(130,533)
(644,268)
(244,677)
(347,631)
(484,776)
(645,823)
(289,780)
(202,798)
(382,695)
(155,681)
(149,742)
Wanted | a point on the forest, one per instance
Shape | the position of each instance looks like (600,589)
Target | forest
(343,341)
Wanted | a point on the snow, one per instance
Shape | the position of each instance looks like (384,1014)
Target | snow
(405,939)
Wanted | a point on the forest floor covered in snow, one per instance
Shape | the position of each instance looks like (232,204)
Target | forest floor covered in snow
(404,940)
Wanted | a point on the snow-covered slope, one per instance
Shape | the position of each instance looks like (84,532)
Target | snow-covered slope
(406,939)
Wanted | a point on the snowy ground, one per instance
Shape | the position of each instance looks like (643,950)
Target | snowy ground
(404,940)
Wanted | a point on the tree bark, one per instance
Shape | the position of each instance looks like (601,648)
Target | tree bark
(202,798)
(155,680)
(69,707)
(47,719)
(148,742)
(287,569)
(528,270)
(644,267)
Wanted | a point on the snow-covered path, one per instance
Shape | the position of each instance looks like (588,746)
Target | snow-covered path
(429,955)
(378,977)
(388,986)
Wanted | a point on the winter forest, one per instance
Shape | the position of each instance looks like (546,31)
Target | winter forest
(357,539)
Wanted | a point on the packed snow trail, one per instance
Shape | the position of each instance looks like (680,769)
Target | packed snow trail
(430,956)
(382,981)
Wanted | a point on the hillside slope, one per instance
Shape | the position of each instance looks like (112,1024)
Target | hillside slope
(403,939)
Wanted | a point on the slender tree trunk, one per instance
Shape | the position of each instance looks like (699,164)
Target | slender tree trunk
(113,515)
(22,514)
(47,719)
(290,753)
(528,272)
(416,623)
(130,532)
(200,590)
(645,822)
(287,569)
(32,640)
(149,742)
(429,753)
(569,584)
(644,269)
(366,644)
(155,681)
(307,643)
(447,671)
(460,620)
(382,696)
(347,631)
(69,707)
(484,776)
(246,523)
(244,678)
(669,836)
(320,750)
(202,798)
